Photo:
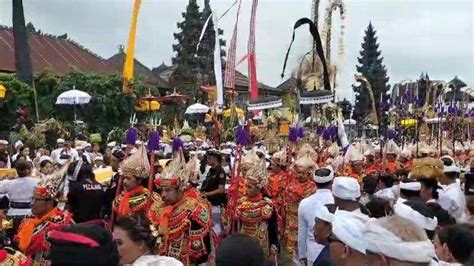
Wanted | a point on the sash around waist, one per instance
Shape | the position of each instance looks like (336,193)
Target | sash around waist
(20,205)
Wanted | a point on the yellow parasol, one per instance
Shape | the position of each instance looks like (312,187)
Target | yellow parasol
(228,112)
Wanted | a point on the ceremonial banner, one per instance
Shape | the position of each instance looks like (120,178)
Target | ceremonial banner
(251,51)
(229,81)
(218,65)
(130,56)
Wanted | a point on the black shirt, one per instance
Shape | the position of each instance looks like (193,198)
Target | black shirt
(324,258)
(85,200)
(214,179)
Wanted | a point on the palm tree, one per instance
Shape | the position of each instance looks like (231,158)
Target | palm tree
(23,66)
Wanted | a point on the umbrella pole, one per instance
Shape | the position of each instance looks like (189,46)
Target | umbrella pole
(75,117)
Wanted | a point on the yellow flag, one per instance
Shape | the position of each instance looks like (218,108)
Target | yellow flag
(129,59)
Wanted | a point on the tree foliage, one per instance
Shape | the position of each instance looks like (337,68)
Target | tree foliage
(371,66)
(108,108)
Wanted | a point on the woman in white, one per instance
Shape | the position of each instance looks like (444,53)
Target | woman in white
(135,239)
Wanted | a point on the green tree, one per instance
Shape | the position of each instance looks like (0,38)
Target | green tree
(193,70)
(371,66)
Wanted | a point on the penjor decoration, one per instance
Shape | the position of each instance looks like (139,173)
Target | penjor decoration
(130,57)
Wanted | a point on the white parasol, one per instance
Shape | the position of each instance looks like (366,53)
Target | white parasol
(197,108)
(73,97)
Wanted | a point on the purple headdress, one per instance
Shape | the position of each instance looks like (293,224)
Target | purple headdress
(327,134)
(154,141)
(293,136)
(177,144)
(391,134)
(319,130)
(132,133)
(300,133)
(241,136)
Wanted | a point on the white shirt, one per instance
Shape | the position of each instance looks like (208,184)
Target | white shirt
(307,246)
(453,201)
(20,189)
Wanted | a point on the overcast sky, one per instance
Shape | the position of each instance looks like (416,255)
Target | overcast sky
(415,36)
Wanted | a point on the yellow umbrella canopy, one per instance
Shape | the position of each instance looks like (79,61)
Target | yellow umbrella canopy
(228,112)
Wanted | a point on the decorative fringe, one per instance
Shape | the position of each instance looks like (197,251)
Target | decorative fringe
(154,141)
(319,48)
(177,144)
(241,136)
(293,135)
(131,136)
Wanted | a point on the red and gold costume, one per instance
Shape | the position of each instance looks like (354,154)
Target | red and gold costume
(136,200)
(255,216)
(295,192)
(32,232)
(183,228)
(350,171)
(11,257)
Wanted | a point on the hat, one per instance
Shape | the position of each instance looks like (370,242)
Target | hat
(405,211)
(346,188)
(353,154)
(60,141)
(458,147)
(175,175)
(3,142)
(323,179)
(137,164)
(305,162)
(45,158)
(257,173)
(382,241)
(453,168)
(88,243)
(99,158)
(348,227)
(391,147)
(248,160)
(47,188)
(405,153)
(123,146)
(88,145)
(334,149)
(411,185)
(280,157)
(112,144)
(307,151)
(18,144)
(427,168)
(323,213)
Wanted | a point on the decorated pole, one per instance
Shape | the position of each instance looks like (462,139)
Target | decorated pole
(130,56)
(153,146)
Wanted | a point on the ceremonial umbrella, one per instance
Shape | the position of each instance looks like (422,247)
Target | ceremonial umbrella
(73,97)
(197,108)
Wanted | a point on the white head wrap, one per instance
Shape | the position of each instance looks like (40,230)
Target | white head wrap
(381,241)
(60,141)
(4,142)
(324,179)
(405,211)
(45,158)
(348,228)
(18,144)
(324,214)
(414,186)
(346,188)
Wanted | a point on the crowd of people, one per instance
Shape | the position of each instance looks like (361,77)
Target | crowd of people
(201,204)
